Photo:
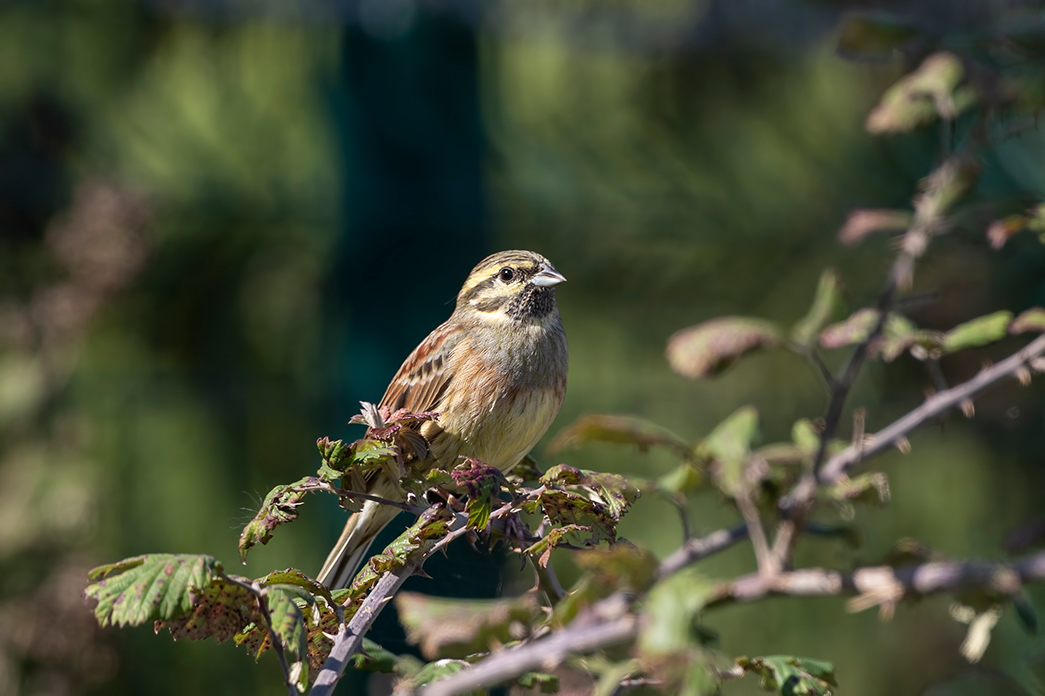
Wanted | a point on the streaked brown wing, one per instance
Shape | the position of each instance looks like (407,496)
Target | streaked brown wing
(424,375)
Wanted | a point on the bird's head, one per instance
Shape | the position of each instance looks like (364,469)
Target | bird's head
(513,284)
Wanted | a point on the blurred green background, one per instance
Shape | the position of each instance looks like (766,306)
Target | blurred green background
(223,223)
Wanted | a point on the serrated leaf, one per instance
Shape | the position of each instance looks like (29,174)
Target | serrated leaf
(825,304)
(483,485)
(543,547)
(524,472)
(155,587)
(288,623)
(293,576)
(790,675)
(729,446)
(874,38)
(431,526)
(978,332)
(279,507)
(1032,319)
(627,430)
(455,627)
(219,611)
(712,347)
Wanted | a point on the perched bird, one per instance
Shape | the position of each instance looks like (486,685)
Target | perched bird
(495,372)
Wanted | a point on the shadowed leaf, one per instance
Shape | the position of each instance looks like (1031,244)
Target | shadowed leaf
(219,611)
(712,347)
(825,304)
(458,628)
(628,430)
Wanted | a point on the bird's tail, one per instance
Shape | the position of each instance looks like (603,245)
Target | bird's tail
(350,552)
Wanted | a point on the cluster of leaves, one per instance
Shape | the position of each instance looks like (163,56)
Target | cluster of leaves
(194,598)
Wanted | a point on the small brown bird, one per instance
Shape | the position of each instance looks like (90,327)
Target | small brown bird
(495,372)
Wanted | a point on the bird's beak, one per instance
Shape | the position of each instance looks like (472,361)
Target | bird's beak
(548,277)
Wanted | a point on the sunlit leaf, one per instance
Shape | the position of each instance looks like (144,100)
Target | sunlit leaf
(1032,319)
(710,348)
(729,446)
(149,588)
(932,91)
(671,609)
(483,484)
(790,675)
(978,332)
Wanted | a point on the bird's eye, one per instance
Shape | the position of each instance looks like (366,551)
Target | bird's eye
(506,274)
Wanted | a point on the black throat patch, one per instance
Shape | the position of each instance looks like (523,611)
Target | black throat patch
(533,301)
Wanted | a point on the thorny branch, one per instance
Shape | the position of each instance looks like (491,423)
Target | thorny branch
(605,625)
(266,617)
(349,638)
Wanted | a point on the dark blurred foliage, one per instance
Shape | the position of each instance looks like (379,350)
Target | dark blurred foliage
(222,224)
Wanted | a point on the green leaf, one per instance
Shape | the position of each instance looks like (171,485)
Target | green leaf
(374,658)
(431,526)
(712,347)
(932,91)
(149,588)
(729,444)
(293,576)
(455,627)
(805,437)
(1032,319)
(790,675)
(978,332)
(581,500)
(825,304)
(683,479)
(279,507)
(870,488)
(671,609)
(482,483)
(288,623)
(547,683)
(434,671)
(870,38)
(627,430)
